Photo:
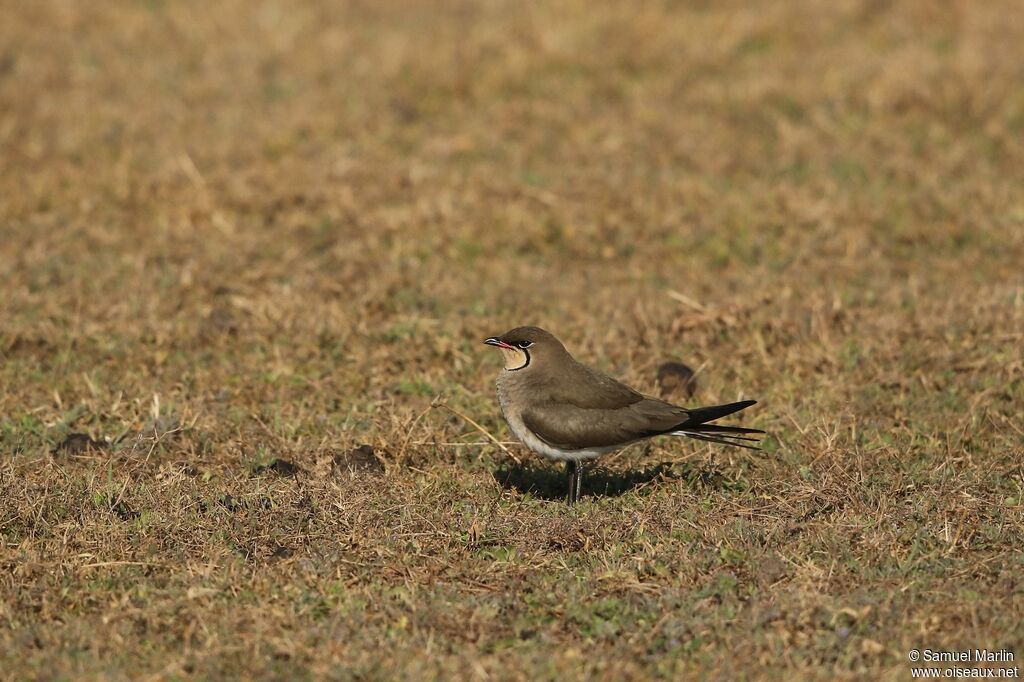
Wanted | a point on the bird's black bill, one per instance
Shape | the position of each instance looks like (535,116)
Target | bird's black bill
(495,341)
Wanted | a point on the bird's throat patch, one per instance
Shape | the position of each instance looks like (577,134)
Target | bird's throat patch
(515,358)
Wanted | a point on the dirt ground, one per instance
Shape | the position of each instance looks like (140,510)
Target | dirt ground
(250,250)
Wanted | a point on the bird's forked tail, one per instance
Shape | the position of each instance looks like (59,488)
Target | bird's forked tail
(697,426)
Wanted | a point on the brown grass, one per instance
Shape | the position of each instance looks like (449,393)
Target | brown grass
(241,239)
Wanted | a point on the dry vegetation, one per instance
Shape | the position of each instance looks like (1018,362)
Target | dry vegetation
(241,239)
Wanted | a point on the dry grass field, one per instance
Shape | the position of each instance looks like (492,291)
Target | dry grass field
(249,250)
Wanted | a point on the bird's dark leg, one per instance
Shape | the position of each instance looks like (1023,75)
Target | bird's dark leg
(570,470)
(579,480)
(575,471)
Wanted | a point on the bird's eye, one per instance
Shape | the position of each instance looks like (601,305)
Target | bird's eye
(524,344)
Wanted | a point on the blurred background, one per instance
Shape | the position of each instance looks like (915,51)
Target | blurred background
(424,174)
(357,192)
(282,229)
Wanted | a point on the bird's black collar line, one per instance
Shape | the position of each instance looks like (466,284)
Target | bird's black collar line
(525,364)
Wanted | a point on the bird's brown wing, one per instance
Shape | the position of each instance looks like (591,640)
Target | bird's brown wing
(568,426)
(586,388)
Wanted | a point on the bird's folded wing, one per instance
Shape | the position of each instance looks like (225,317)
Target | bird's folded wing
(570,427)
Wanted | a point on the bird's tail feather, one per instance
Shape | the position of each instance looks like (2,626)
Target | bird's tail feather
(738,441)
(702,415)
(696,426)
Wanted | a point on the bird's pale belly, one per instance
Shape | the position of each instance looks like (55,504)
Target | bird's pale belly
(541,448)
(508,391)
(527,437)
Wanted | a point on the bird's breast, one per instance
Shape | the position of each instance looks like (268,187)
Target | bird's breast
(514,397)
(510,394)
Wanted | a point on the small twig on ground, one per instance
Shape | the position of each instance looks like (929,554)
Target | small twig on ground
(412,427)
(439,402)
(100,564)
(461,444)
(687,301)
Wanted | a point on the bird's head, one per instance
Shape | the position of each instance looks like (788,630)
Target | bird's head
(524,346)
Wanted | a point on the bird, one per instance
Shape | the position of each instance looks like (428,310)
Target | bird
(567,412)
